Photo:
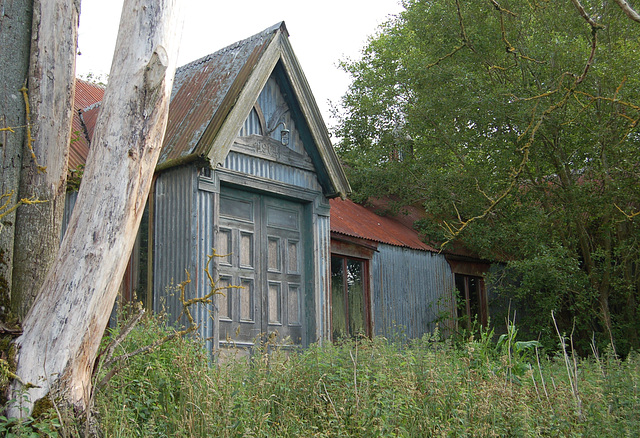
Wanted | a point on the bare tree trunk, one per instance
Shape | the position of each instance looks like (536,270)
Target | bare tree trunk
(15,40)
(63,329)
(44,166)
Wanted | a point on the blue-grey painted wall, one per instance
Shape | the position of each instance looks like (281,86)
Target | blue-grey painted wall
(411,290)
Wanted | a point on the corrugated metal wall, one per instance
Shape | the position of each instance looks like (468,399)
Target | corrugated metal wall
(69,203)
(206,232)
(175,238)
(186,219)
(322,250)
(410,291)
(272,170)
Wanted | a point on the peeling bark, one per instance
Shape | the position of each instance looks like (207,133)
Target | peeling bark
(628,10)
(63,329)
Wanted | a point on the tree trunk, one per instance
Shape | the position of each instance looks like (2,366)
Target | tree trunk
(44,167)
(15,40)
(63,329)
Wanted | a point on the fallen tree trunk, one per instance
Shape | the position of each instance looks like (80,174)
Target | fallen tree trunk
(63,329)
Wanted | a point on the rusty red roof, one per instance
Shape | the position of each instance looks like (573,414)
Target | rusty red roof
(408,215)
(209,100)
(205,90)
(201,89)
(85,112)
(354,220)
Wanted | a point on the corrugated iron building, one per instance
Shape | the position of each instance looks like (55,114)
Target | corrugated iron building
(408,286)
(247,168)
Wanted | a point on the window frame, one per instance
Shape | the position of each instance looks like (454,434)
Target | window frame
(465,294)
(366,292)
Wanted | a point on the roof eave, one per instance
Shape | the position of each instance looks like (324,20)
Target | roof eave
(317,127)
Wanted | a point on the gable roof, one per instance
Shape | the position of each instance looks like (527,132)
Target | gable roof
(353,220)
(213,96)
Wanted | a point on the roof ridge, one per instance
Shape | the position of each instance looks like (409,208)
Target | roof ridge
(268,31)
(90,107)
(93,84)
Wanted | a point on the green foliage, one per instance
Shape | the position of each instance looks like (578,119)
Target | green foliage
(520,139)
(43,424)
(141,399)
(74,178)
(367,387)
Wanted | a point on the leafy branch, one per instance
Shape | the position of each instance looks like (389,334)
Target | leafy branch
(106,358)
(452,232)
(629,216)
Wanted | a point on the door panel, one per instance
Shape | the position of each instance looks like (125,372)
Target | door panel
(261,239)
(238,310)
(284,225)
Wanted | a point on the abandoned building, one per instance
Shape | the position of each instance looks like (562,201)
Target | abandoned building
(247,167)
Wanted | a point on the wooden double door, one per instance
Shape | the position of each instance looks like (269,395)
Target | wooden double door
(262,240)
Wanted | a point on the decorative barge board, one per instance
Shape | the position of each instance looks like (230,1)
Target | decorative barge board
(247,168)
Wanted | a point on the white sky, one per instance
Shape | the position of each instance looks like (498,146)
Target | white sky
(321,33)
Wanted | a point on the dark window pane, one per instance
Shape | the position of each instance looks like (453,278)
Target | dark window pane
(356,297)
(470,300)
(338,311)
(462,300)
(474,298)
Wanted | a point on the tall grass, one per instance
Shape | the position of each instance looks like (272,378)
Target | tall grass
(365,388)
(360,388)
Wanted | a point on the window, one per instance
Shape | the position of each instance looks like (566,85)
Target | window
(350,311)
(472,300)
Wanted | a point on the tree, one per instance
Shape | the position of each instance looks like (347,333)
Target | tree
(515,124)
(37,86)
(45,151)
(63,328)
(15,40)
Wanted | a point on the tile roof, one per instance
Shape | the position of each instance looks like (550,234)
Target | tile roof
(86,106)
(354,220)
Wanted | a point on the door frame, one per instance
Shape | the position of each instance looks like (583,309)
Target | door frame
(314,204)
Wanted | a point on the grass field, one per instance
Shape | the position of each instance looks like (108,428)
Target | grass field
(365,388)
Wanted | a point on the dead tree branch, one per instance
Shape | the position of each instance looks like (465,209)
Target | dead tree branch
(631,13)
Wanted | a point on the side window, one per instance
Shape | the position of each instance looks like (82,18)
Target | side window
(472,302)
(350,312)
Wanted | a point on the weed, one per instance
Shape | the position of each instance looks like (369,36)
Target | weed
(367,387)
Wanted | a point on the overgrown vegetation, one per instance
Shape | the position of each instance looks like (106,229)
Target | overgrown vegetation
(428,387)
(515,125)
